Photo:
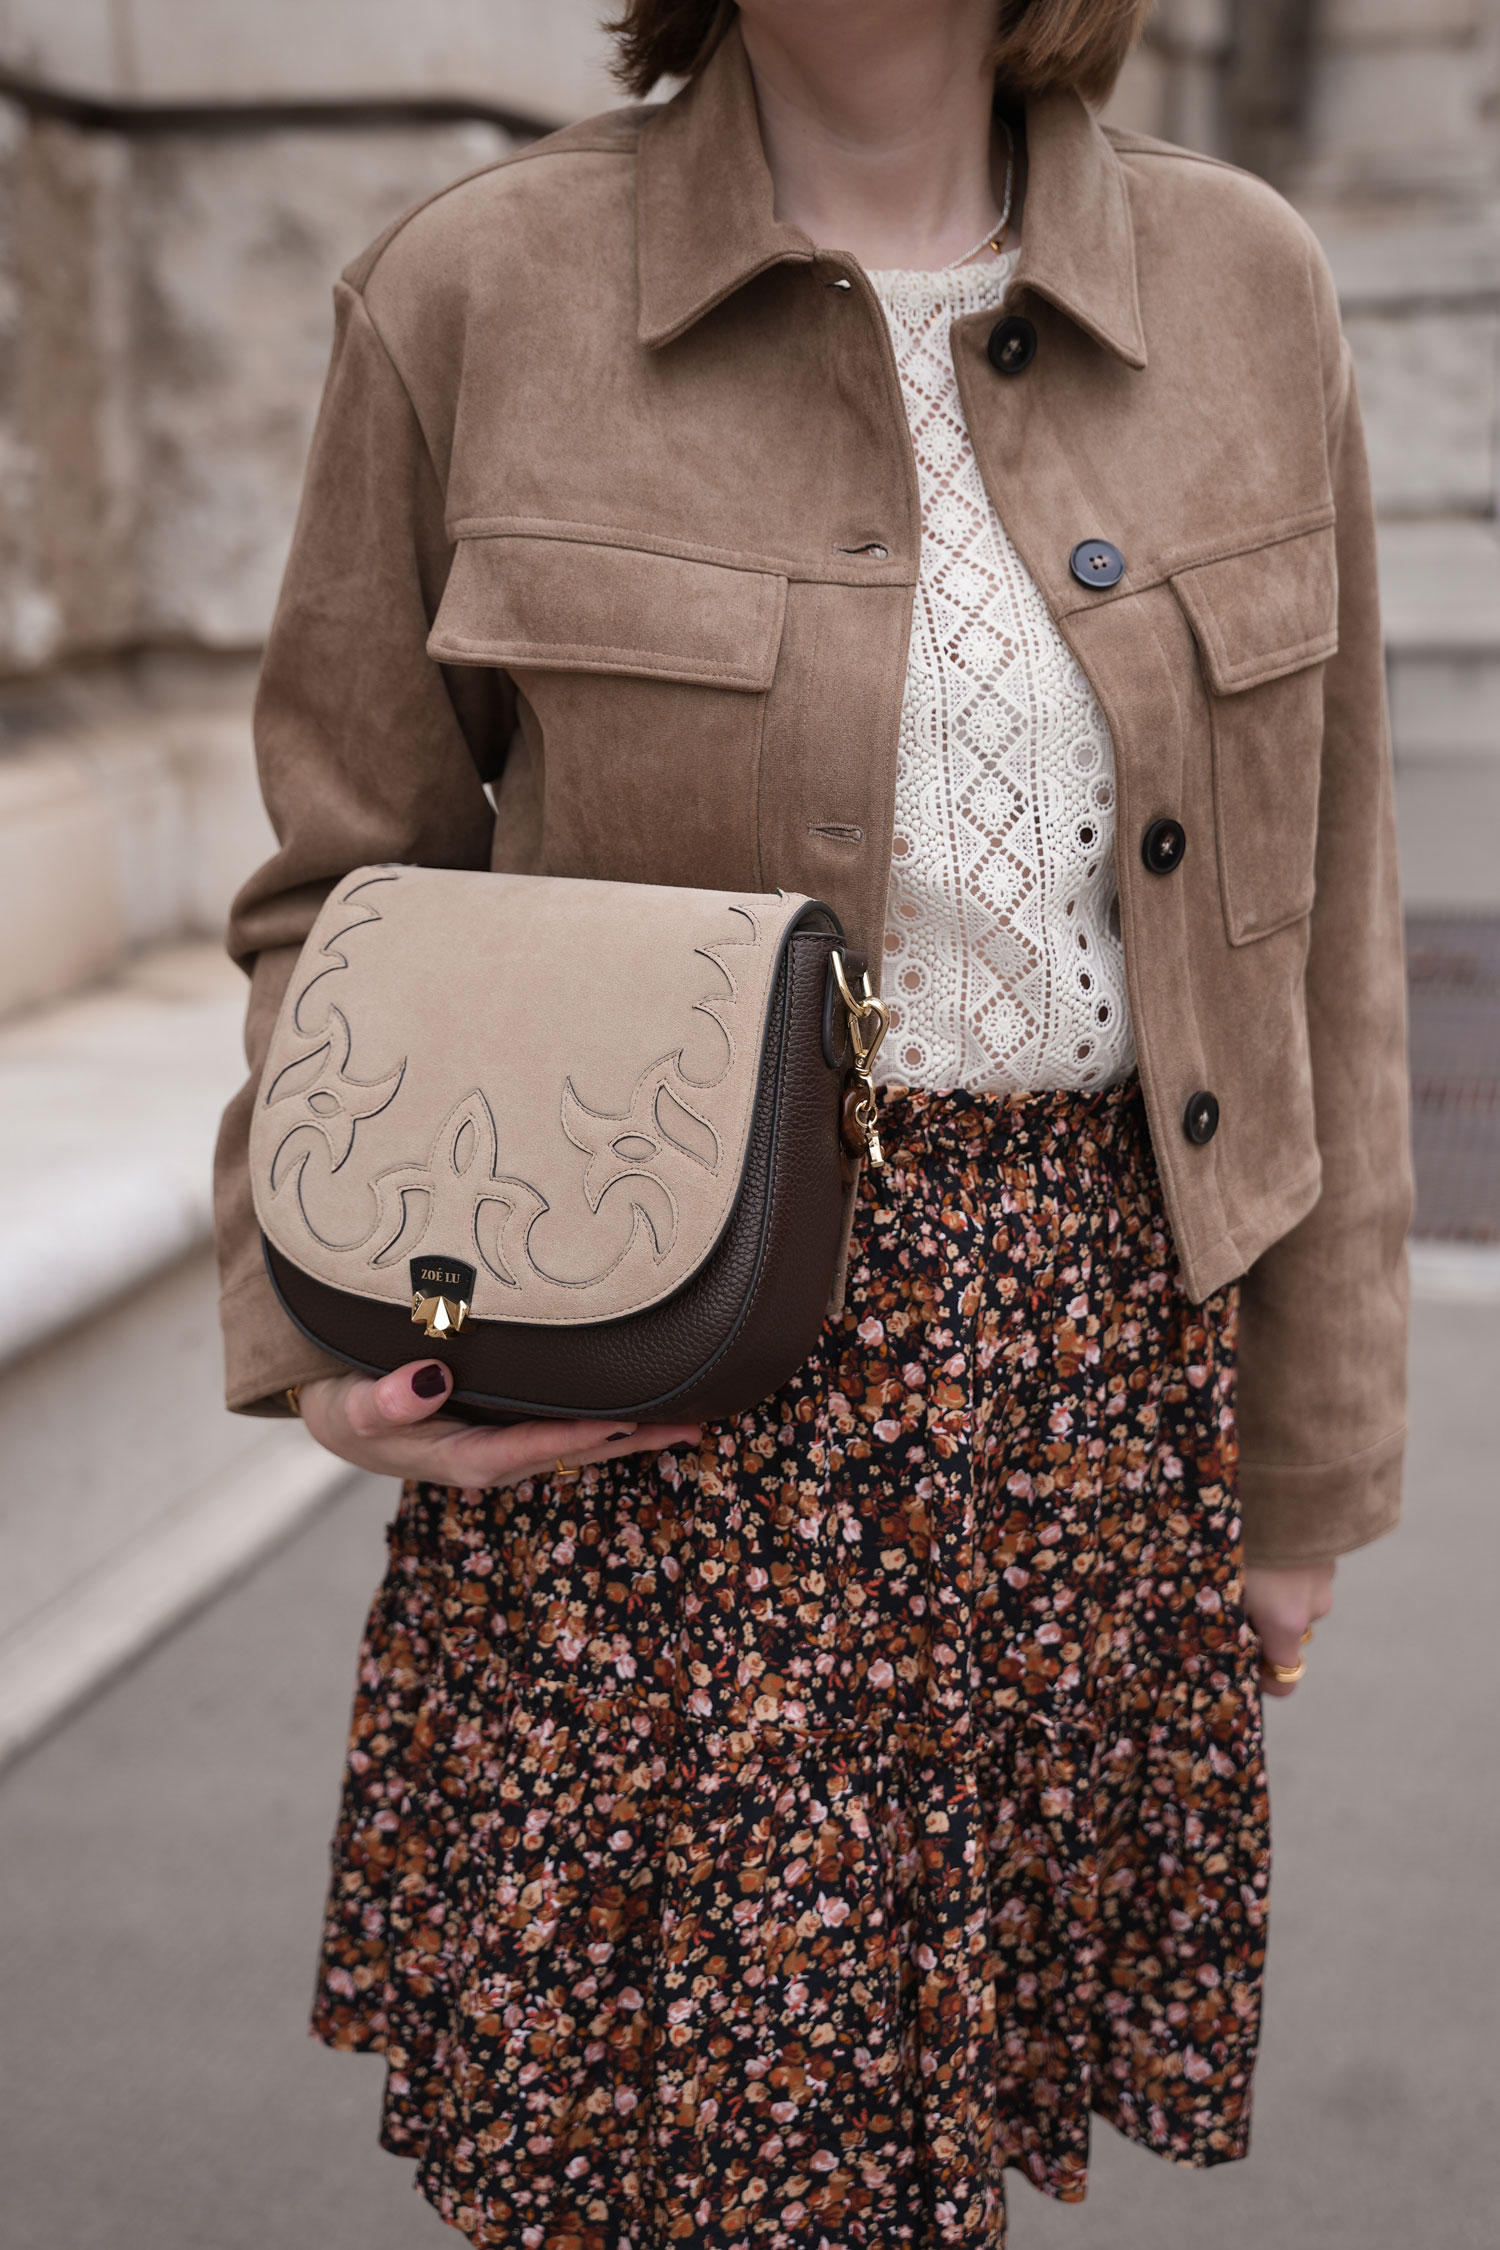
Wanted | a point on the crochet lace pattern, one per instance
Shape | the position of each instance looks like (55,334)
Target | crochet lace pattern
(1004,967)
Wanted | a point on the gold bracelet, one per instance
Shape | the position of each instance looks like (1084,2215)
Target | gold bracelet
(293,1396)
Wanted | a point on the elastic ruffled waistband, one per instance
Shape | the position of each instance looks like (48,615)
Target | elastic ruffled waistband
(1019,1126)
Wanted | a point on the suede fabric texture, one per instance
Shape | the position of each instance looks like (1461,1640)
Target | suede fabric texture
(612,503)
(587,1159)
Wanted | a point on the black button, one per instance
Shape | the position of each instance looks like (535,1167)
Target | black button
(1094,562)
(1200,1120)
(1163,845)
(1012,344)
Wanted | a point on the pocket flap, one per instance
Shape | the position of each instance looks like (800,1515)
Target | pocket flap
(567,605)
(1259,615)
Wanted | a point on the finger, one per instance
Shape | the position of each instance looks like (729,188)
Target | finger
(1280,1644)
(653,1437)
(412,1394)
(478,1457)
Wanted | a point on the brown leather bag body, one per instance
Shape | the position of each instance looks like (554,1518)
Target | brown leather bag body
(585,1142)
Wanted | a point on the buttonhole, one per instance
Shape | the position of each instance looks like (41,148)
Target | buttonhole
(871,547)
(837,831)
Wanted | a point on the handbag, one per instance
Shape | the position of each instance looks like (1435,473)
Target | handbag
(595,1145)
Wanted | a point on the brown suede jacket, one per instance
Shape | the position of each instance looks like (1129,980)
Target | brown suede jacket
(612,498)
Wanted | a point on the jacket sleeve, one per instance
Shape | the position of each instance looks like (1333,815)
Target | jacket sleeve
(367,751)
(1323,1313)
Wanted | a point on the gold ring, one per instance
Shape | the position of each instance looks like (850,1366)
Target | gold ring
(1285,1675)
(1307,1636)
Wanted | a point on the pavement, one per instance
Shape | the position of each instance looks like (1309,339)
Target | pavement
(162,1864)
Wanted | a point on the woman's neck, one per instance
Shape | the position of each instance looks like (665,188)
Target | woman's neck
(876,118)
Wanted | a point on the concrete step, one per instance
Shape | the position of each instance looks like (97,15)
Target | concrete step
(129,815)
(129,1495)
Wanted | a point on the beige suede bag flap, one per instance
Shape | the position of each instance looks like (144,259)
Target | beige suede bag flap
(583,1139)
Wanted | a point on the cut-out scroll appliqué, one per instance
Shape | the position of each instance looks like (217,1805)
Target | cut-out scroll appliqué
(546,1199)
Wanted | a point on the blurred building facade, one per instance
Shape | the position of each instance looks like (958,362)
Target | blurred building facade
(180,180)
(180,183)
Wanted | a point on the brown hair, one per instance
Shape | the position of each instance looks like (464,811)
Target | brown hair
(1038,43)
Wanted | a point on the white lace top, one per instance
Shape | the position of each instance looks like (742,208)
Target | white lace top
(1004,966)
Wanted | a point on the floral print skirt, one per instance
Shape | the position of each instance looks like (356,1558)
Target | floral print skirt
(770,1844)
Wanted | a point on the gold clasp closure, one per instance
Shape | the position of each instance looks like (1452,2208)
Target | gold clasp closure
(869,1019)
(438,1317)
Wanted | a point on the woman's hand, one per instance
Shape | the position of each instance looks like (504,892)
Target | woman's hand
(1282,1606)
(396,1427)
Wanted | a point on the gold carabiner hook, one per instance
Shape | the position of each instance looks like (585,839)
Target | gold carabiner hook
(864,1011)
(859,1010)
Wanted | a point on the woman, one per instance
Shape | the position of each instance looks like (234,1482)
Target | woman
(865,475)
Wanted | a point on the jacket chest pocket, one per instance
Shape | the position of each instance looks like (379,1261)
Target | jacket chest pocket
(645,678)
(1265,622)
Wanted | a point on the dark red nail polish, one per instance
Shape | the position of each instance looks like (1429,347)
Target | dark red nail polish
(429,1382)
(615,1436)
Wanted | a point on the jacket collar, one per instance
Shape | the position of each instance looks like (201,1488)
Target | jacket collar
(705,215)
(707,223)
(1078,236)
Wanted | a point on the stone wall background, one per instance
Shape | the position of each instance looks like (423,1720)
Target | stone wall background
(165,329)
